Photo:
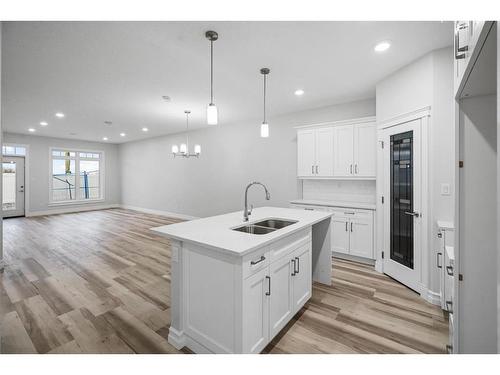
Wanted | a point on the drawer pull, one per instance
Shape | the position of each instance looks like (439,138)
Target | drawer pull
(351,226)
(268,293)
(348,213)
(297,261)
(449,306)
(254,262)
(309,209)
(449,270)
(293,272)
(437,260)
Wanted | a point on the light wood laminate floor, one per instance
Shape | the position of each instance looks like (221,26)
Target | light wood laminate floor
(98,282)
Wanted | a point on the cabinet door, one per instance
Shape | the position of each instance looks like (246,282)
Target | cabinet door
(302,279)
(324,152)
(340,234)
(365,148)
(343,151)
(280,301)
(306,154)
(361,241)
(256,312)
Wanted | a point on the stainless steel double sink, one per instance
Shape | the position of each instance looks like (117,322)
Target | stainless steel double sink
(265,226)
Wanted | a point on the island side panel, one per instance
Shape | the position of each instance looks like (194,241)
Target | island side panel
(176,332)
(322,252)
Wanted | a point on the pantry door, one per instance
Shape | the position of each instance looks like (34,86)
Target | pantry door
(402,164)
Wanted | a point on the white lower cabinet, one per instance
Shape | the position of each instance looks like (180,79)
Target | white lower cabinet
(273,294)
(340,234)
(361,236)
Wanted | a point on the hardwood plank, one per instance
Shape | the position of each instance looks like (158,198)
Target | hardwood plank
(15,339)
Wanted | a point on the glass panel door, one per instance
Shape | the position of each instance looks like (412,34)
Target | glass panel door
(401,185)
(13,186)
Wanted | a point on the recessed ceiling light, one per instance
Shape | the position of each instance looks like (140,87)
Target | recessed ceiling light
(145,129)
(104,138)
(32,130)
(299,92)
(382,46)
(59,114)
(44,123)
(122,134)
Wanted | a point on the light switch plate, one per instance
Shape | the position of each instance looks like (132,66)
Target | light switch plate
(445,189)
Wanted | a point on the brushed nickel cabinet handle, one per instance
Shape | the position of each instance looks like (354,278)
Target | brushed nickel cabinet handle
(297,261)
(268,293)
(346,226)
(351,169)
(449,270)
(254,262)
(437,260)
(312,169)
(316,169)
(355,168)
(351,226)
(449,306)
(293,272)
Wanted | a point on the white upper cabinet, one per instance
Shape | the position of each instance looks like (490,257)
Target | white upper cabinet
(306,152)
(343,150)
(324,152)
(344,146)
(365,142)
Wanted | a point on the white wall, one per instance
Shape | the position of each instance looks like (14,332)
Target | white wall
(232,156)
(38,169)
(427,82)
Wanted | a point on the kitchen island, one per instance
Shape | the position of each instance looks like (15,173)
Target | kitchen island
(236,284)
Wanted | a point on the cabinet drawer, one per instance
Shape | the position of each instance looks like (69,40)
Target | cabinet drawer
(289,244)
(256,261)
(352,213)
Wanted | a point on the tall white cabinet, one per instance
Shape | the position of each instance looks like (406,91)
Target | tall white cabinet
(337,150)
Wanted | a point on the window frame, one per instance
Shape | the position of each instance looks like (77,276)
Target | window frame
(77,159)
(15,145)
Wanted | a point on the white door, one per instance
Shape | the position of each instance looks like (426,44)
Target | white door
(365,144)
(256,312)
(344,144)
(402,166)
(280,301)
(340,234)
(306,154)
(13,186)
(302,275)
(324,152)
(361,240)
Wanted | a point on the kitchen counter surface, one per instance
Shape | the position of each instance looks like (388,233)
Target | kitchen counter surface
(216,231)
(363,206)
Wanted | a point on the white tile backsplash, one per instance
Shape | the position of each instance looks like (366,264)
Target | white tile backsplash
(340,190)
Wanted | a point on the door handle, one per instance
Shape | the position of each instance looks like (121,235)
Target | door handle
(268,293)
(293,272)
(449,270)
(414,214)
(316,169)
(297,261)
(437,260)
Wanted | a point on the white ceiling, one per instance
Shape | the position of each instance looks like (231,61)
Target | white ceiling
(118,71)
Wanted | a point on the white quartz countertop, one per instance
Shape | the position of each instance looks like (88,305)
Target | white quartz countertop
(310,202)
(216,231)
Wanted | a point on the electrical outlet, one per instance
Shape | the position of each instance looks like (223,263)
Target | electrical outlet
(445,189)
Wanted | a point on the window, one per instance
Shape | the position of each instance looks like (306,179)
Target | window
(13,150)
(76,175)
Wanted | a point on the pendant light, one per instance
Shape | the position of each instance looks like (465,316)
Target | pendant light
(212,113)
(183,149)
(264,127)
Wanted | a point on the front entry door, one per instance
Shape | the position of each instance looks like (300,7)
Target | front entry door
(402,208)
(12,186)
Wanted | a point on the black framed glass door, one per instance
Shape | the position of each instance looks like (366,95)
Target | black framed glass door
(401,186)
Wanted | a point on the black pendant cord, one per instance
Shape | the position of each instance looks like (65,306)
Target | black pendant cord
(211,72)
(264,98)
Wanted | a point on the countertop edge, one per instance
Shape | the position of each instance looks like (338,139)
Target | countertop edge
(359,206)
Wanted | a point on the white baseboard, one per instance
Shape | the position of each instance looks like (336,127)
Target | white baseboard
(370,262)
(159,212)
(433,297)
(72,209)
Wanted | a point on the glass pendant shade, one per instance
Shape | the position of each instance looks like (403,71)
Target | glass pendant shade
(264,130)
(183,148)
(197,149)
(175,149)
(212,114)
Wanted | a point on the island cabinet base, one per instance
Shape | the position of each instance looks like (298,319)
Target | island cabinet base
(237,304)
